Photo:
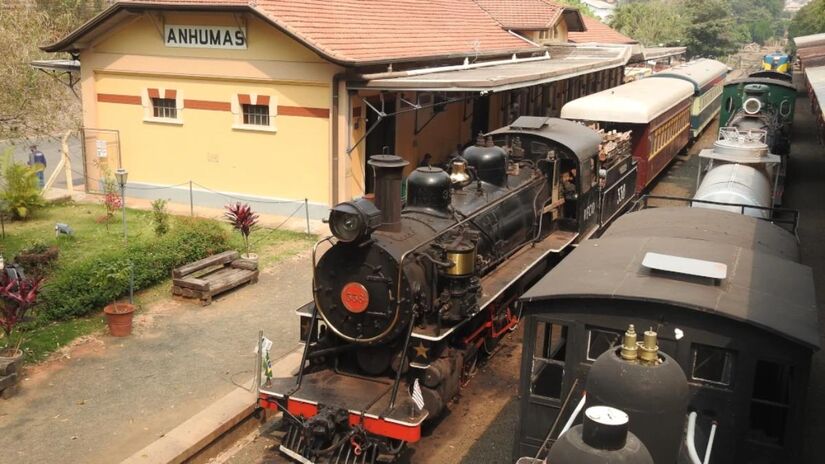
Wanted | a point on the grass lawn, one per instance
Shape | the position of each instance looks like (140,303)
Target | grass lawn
(92,237)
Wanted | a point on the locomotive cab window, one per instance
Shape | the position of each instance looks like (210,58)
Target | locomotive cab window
(770,402)
(601,340)
(549,351)
(712,365)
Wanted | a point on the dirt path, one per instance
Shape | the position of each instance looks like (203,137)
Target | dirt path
(107,398)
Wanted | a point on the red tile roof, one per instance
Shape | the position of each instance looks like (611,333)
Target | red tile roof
(354,32)
(522,14)
(598,32)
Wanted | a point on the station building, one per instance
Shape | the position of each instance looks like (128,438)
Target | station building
(284,100)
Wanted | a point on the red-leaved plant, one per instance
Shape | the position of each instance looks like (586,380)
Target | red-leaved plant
(242,219)
(17,297)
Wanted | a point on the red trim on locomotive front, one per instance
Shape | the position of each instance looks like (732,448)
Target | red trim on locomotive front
(375,425)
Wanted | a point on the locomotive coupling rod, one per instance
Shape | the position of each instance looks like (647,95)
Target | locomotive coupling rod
(403,358)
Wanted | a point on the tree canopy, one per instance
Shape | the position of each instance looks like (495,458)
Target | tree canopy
(30,102)
(705,27)
(810,19)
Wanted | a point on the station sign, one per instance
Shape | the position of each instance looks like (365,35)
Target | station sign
(189,36)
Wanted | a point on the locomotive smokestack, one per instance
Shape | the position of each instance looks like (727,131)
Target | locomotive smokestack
(387,171)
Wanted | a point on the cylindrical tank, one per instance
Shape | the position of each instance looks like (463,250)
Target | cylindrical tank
(735,183)
(603,437)
(650,387)
(429,188)
(488,160)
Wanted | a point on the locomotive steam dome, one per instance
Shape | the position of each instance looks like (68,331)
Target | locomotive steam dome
(602,437)
(428,188)
(647,384)
(488,160)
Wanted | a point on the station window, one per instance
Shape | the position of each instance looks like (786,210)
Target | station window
(254,112)
(770,402)
(712,365)
(256,115)
(601,340)
(549,351)
(166,108)
(162,106)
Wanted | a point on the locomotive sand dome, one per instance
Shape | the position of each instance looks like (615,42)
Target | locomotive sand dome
(602,437)
(649,386)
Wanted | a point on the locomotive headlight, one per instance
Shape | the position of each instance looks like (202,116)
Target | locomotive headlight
(354,220)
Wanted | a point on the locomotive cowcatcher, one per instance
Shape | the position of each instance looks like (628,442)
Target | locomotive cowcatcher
(409,296)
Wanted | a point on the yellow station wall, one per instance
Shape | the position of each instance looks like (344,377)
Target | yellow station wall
(292,162)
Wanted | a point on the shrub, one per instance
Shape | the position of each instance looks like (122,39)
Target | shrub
(82,287)
(17,297)
(21,191)
(37,258)
(160,217)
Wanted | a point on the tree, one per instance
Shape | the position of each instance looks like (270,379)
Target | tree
(712,29)
(810,19)
(653,23)
(32,103)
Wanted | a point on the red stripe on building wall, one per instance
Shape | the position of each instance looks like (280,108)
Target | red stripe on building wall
(207,105)
(262,100)
(244,99)
(153,93)
(171,94)
(124,99)
(303,111)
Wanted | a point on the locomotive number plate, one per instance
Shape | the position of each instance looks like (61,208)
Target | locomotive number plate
(355,297)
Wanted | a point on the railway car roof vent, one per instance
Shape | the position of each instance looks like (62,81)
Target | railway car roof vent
(529,122)
(685,266)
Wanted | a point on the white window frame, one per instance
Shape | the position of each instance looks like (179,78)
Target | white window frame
(237,114)
(149,110)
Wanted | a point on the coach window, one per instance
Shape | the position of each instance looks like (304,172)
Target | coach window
(162,105)
(254,112)
(549,351)
(601,340)
(712,365)
(770,401)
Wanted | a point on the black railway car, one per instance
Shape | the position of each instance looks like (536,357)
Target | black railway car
(407,297)
(731,305)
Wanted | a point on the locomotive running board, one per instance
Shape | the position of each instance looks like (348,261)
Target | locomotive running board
(503,277)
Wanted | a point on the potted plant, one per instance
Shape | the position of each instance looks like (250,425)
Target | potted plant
(119,318)
(17,296)
(244,220)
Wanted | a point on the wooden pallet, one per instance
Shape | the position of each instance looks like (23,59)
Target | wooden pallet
(210,276)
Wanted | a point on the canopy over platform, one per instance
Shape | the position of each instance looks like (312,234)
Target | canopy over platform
(57,65)
(637,102)
(562,62)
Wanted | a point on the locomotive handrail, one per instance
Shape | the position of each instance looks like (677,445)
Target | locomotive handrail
(775,213)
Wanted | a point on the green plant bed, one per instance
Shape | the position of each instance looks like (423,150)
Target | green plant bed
(40,342)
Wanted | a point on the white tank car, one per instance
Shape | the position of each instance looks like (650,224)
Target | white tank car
(740,172)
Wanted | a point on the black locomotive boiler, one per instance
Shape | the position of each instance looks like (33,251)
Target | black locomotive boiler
(408,296)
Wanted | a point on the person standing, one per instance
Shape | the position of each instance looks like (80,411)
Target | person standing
(37,160)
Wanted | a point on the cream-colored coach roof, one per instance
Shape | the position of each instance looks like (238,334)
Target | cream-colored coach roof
(637,102)
(699,72)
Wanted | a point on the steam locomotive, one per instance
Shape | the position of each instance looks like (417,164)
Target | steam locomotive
(409,296)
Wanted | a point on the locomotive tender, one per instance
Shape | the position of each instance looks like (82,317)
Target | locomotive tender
(409,296)
(734,310)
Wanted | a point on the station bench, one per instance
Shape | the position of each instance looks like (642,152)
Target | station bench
(215,274)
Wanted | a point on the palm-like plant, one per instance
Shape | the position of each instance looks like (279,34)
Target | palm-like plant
(242,219)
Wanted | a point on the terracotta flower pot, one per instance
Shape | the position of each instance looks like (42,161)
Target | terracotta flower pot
(119,318)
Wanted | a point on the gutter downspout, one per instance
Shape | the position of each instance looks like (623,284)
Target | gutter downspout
(336,80)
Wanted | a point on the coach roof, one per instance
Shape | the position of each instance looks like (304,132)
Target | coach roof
(637,102)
